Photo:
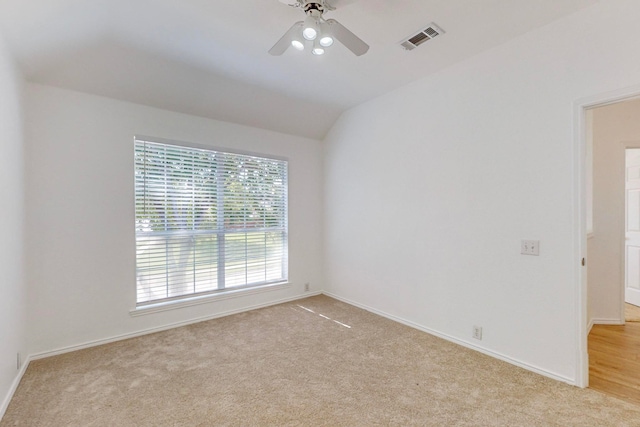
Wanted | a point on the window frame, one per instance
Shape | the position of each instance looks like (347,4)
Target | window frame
(224,292)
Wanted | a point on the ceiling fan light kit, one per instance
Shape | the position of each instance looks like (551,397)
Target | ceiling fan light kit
(310,31)
(326,41)
(316,32)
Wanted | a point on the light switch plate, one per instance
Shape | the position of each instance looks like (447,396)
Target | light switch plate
(530,247)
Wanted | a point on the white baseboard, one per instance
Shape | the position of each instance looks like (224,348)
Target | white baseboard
(603,322)
(14,387)
(454,340)
(95,343)
(606,322)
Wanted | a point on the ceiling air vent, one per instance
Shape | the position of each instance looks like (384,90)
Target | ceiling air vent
(424,35)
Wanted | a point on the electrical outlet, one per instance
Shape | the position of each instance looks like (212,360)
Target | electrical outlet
(477,332)
(306,287)
(530,247)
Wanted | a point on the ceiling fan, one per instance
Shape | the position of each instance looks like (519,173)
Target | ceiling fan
(317,33)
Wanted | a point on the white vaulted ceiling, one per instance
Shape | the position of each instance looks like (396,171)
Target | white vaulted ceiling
(209,57)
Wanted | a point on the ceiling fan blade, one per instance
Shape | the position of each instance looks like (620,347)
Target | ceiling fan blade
(284,42)
(292,3)
(332,4)
(329,4)
(347,38)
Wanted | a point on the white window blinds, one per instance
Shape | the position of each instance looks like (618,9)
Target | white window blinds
(207,221)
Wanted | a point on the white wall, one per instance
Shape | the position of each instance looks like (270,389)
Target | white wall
(613,126)
(12,283)
(81,253)
(429,190)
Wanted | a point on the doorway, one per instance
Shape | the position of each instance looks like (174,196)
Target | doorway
(632,228)
(613,212)
(612,169)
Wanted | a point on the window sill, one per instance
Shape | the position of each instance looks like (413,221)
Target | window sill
(206,299)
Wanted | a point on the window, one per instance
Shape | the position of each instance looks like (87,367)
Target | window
(207,221)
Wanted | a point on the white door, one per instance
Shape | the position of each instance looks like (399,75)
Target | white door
(632,227)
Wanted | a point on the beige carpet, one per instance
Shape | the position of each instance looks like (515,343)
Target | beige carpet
(327,364)
(631,313)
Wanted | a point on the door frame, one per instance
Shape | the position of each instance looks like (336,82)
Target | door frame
(580,222)
(625,146)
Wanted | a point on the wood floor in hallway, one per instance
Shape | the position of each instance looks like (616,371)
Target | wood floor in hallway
(614,360)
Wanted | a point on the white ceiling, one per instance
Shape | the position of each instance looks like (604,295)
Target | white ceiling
(209,57)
